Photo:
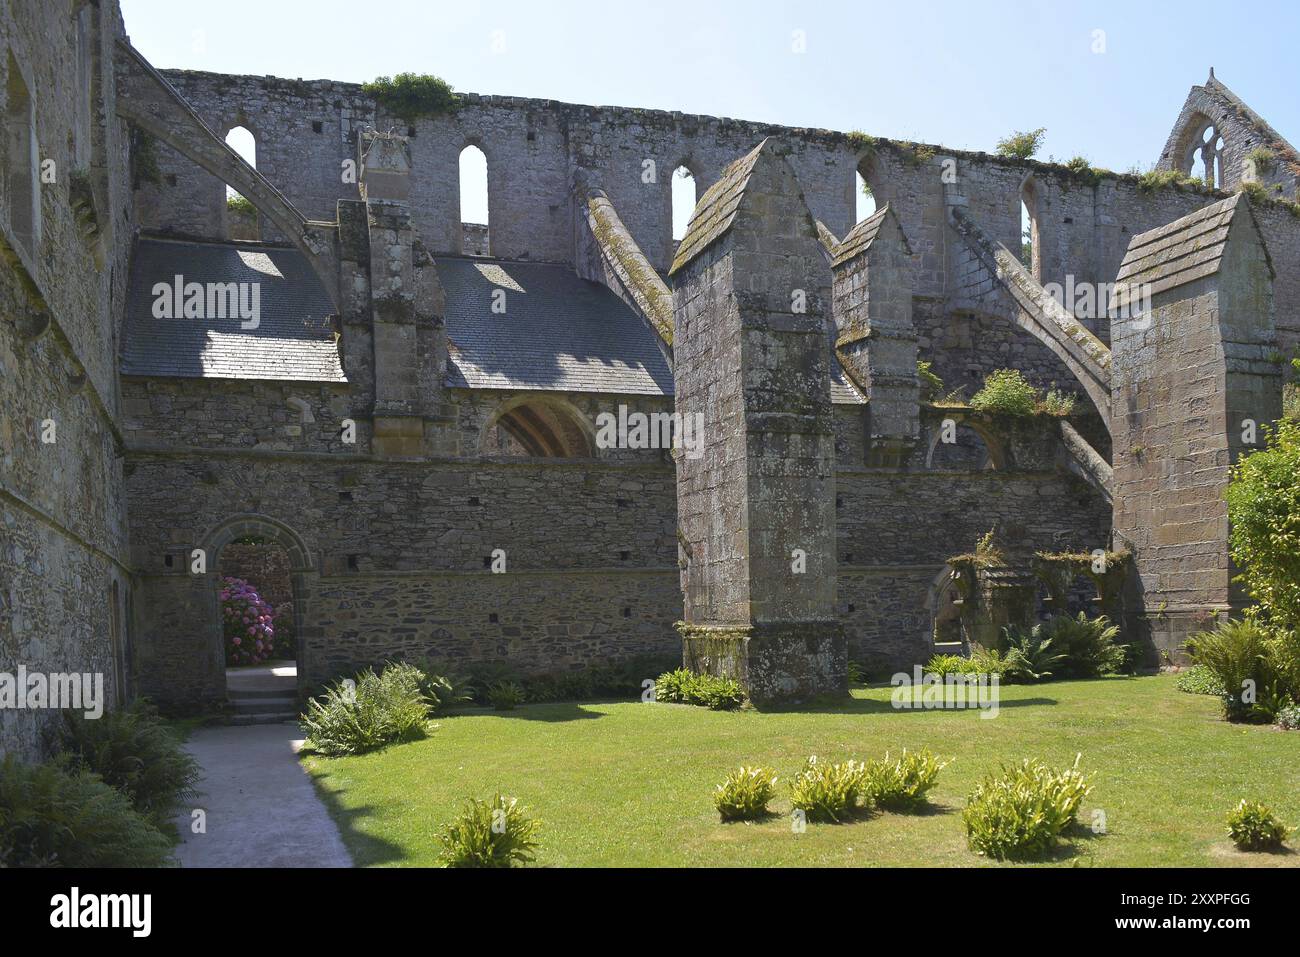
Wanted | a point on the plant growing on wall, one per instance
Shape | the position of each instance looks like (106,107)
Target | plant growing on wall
(1006,391)
(248,623)
(1022,145)
(410,96)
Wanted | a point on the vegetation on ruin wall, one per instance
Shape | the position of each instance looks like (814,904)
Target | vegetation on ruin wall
(1264,517)
(615,786)
(409,96)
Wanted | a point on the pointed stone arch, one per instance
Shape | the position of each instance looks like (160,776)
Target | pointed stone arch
(544,426)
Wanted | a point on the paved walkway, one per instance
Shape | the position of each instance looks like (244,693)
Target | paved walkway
(262,810)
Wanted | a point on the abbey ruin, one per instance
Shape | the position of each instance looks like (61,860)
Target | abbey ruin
(407,403)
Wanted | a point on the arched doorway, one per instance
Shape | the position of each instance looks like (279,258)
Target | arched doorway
(258,570)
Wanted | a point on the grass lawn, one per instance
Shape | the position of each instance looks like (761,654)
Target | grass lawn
(630,784)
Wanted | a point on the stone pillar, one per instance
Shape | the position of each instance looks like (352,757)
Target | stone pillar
(756,505)
(408,336)
(1193,344)
(875,338)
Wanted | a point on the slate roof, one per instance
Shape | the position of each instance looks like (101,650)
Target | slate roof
(1185,250)
(716,210)
(559,333)
(861,237)
(294,339)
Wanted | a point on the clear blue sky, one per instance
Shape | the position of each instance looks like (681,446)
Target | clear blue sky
(963,74)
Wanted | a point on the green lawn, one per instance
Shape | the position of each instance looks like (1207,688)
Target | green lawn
(622,783)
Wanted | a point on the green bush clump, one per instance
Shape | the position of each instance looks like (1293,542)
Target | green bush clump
(1252,827)
(931,384)
(1264,517)
(682,686)
(505,695)
(410,96)
(827,792)
(1022,145)
(240,205)
(745,794)
(496,833)
(944,665)
(1005,391)
(1246,662)
(58,815)
(900,785)
(1198,679)
(1019,813)
(132,750)
(368,713)
(1059,404)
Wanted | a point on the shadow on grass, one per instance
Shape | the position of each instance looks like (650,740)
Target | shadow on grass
(550,711)
(850,705)
(366,849)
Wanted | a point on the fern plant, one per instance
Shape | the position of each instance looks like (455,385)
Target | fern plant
(134,751)
(1019,813)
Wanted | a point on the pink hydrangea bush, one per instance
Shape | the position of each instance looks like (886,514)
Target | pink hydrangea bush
(248,622)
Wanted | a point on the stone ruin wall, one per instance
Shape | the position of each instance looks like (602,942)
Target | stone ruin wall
(63,547)
(533,148)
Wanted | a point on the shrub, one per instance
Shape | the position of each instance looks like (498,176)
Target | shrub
(683,686)
(745,794)
(496,833)
(55,815)
(1198,679)
(248,623)
(1264,517)
(1006,391)
(1252,827)
(827,792)
(857,674)
(135,752)
(1018,814)
(931,384)
(1236,654)
(410,96)
(900,785)
(1262,159)
(505,695)
(1022,145)
(1089,646)
(1288,718)
(375,710)
(1060,404)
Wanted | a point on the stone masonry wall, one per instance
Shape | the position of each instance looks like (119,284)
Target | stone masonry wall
(64,575)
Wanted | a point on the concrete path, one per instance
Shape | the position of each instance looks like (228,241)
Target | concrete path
(262,810)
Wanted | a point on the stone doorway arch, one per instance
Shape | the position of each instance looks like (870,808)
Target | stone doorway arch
(302,575)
